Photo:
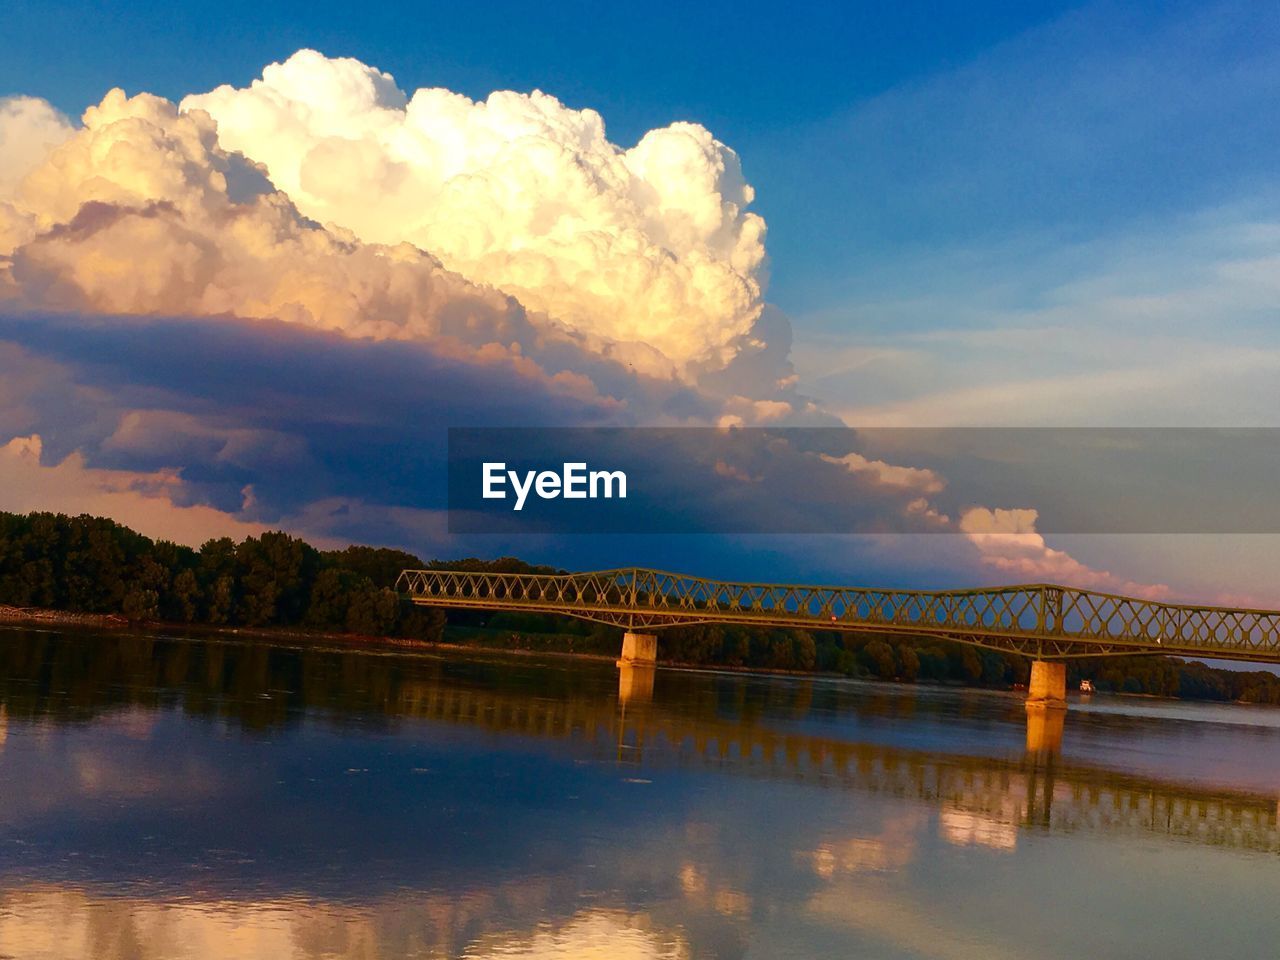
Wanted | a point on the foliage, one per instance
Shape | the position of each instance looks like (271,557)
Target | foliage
(94,565)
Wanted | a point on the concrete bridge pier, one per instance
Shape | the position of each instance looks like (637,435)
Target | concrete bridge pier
(1046,707)
(639,648)
(1048,686)
(636,667)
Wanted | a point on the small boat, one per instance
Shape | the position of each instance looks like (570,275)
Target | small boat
(1086,686)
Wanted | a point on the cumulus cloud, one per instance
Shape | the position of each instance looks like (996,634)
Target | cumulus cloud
(651,245)
(142,211)
(478,262)
(29,129)
(1007,541)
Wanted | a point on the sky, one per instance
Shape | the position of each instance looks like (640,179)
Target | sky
(243,306)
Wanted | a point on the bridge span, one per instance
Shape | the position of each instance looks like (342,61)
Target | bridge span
(1046,622)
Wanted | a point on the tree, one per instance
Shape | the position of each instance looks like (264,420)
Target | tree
(330,598)
(222,601)
(276,572)
(806,649)
(382,566)
(993,668)
(141,603)
(878,658)
(184,602)
(908,663)
(372,611)
(965,663)
(699,643)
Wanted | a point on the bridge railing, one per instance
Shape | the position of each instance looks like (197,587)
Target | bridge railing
(1029,612)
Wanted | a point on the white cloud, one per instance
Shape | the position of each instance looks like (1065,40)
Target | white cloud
(643,258)
(29,129)
(1007,541)
(891,475)
(142,211)
(650,245)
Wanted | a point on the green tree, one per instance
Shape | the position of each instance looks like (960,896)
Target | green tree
(908,663)
(878,658)
(185,596)
(276,573)
(373,610)
(222,601)
(382,566)
(330,599)
(141,603)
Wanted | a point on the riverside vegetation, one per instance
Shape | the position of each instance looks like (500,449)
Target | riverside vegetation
(90,564)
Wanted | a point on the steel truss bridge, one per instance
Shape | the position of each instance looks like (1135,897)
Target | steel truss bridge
(1043,621)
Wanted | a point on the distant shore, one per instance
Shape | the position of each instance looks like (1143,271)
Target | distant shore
(62,618)
(39,616)
(10,614)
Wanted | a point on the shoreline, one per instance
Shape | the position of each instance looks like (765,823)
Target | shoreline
(12,614)
(36,616)
(41,616)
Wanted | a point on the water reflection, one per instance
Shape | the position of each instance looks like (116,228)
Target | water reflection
(1045,726)
(175,798)
(60,922)
(635,683)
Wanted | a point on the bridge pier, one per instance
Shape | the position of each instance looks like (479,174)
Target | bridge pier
(639,648)
(1048,686)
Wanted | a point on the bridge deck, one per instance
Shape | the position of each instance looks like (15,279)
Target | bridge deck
(1041,620)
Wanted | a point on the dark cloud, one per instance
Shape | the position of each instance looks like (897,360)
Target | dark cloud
(303,416)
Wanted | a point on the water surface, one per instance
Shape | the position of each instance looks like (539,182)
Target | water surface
(180,798)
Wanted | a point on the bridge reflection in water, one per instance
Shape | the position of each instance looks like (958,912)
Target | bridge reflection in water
(995,795)
(799,730)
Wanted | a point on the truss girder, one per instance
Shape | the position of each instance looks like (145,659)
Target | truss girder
(1041,620)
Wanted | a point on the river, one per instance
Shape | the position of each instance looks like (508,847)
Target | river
(168,797)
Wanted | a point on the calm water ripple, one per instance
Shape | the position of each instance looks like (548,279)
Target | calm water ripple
(195,798)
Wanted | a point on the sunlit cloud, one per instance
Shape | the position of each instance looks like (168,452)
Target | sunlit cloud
(650,247)
(1007,541)
(251,301)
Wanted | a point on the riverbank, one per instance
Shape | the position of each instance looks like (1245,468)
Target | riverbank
(10,614)
(473,639)
(467,640)
(37,616)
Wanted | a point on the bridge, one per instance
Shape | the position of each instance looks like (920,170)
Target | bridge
(1046,622)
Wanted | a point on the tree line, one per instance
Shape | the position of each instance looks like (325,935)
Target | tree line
(95,565)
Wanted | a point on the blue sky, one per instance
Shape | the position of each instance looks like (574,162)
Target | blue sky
(1020,214)
(883,142)
(740,68)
